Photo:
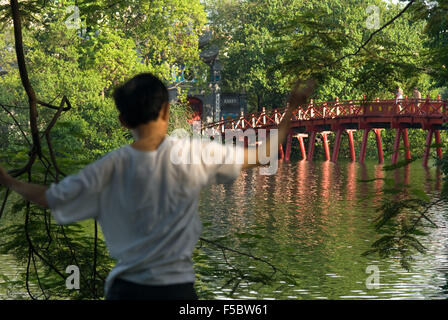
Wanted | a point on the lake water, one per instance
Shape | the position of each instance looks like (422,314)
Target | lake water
(313,220)
(316,222)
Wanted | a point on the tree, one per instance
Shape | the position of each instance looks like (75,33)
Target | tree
(166,32)
(435,14)
(395,56)
(72,68)
(265,45)
(61,138)
(405,214)
(245,32)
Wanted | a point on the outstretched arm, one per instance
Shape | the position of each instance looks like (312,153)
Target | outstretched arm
(31,192)
(299,96)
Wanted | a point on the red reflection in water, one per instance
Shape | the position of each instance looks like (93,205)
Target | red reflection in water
(326,184)
(407,173)
(351,181)
(379,175)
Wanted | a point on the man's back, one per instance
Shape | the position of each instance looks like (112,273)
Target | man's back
(147,208)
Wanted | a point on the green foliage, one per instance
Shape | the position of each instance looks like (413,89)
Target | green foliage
(404,217)
(267,44)
(112,56)
(436,16)
(322,38)
(83,66)
(219,261)
(245,31)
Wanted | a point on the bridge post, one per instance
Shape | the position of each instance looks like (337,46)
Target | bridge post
(365,137)
(406,144)
(396,145)
(288,146)
(243,120)
(337,106)
(311,107)
(264,115)
(438,141)
(222,125)
(405,106)
(311,146)
(351,144)
(282,154)
(337,144)
(379,145)
(428,147)
(326,146)
(302,146)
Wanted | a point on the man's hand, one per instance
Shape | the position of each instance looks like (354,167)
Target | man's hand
(31,192)
(300,93)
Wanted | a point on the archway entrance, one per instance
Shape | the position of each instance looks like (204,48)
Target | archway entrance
(196,106)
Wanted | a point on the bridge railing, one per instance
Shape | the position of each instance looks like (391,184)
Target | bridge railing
(337,109)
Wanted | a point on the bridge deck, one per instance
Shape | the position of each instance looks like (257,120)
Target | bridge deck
(355,114)
(341,116)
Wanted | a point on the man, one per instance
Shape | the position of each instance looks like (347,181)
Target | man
(145,203)
(417,97)
(398,98)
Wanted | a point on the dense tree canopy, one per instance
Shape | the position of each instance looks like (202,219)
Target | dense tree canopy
(436,17)
(81,63)
(266,44)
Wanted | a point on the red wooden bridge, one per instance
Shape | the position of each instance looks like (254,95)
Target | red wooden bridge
(342,117)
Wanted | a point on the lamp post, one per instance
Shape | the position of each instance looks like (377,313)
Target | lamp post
(217,90)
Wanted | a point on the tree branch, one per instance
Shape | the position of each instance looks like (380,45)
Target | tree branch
(373,34)
(32,100)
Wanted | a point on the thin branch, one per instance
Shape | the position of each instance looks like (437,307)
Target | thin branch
(220,246)
(30,243)
(422,215)
(362,46)
(2,209)
(16,122)
(38,278)
(47,134)
(18,172)
(27,277)
(44,104)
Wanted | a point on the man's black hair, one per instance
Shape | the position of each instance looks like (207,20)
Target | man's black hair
(140,99)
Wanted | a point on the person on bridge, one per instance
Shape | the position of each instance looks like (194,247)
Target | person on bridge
(417,97)
(145,202)
(398,94)
(398,98)
(416,94)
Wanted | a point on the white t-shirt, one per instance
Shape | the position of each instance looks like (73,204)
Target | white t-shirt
(146,205)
